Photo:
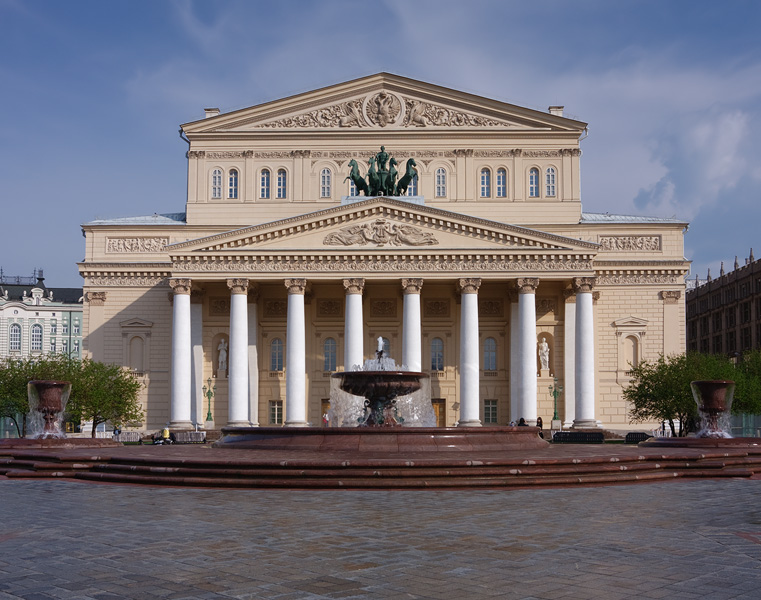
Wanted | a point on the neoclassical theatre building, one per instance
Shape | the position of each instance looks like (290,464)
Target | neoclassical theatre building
(459,239)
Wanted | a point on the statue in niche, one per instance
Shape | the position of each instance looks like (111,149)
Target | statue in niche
(222,360)
(544,354)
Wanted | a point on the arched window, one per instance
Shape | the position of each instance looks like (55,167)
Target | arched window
(276,355)
(325,181)
(352,188)
(550,181)
(412,188)
(533,183)
(136,349)
(437,354)
(441,182)
(281,189)
(264,186)
(485,183)
(329,354)
(216,183)
(490,354)
(501,183)
(36,338)
(15,337)
(232,184)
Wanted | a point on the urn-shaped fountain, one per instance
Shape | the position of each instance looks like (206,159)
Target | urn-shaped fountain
(47,403)
(714,400)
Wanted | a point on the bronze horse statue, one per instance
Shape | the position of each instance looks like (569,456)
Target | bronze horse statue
(404,182)
(373,180)
(357,179)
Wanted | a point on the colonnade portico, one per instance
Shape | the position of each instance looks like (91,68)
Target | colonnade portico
(243,375)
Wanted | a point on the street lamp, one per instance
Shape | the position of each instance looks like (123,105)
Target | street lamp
(555,390)
(208,392)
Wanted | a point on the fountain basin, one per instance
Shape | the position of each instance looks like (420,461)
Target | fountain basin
(382,440)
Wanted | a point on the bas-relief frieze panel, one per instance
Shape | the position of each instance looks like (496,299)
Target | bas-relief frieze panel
(383,307)
(630,243)
(638,279)
(125,245)
(545,306)
(489,307)
(126,281)
(436,307)
(330,307)
(276,308)
(384,264)
(219,307)
(380,232)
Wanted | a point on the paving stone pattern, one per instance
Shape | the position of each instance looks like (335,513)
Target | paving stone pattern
(676,540)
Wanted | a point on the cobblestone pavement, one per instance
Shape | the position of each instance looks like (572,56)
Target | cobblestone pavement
(676,540)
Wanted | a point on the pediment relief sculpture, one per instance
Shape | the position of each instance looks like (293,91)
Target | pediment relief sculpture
(384,109)
(381,233)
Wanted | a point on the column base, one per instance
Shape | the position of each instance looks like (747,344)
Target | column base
(181,425)
(472,423)
(238,424)
(585,424)
(296,424)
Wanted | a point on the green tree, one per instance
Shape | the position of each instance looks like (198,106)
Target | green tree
(102,392)
(660,391)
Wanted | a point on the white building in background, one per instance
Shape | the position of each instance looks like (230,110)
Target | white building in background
(485,273)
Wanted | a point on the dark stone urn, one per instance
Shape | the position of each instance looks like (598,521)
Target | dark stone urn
(47,402)
(714,400)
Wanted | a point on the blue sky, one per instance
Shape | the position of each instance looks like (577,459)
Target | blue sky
(93,93)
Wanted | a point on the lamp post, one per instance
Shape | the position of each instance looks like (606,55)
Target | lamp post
(555,390)
(208,392)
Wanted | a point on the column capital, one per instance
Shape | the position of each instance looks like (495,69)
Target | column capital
(469,286)
(180,286)
(671,296)
(412,286)
(527,285)
(354,286)
(296,286)
(238,285)
(96,298)
(583,284)
(569,294)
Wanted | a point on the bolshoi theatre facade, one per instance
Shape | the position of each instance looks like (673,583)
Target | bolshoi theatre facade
(447,224)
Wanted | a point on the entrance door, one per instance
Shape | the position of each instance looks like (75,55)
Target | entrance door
(438,409)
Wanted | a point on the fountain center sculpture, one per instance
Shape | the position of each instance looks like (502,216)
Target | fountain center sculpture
(380,382)
(47,403)
(714,400)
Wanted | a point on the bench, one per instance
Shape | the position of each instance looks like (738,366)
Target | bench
(578,437)
(129,437)
(189,437)
(635,437)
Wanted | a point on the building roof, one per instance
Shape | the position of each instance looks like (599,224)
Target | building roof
(154,219)
(609,218)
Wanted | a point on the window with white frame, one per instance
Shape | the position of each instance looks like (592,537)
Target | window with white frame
(485,183)
(216,183)
(412,187)
(53,328)
(501,183)
(232,184)
(490,412)
(437,354)
(65,327)
(264,184)
(75,329)
(490,354)
(276,355)
(326,178)
(65,346)
(352,188)
(533,183)
(276,412)
(52,346)
(281,181)
(329,348)
(550,181)
(441,182)
(35,342)
(76,346)
(14,338)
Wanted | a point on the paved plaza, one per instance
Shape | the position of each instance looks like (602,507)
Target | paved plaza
(681,539)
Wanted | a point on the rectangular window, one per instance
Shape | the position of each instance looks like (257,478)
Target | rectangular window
(745,339)
(731,342)
(490,412)
(65,346)
(276,412)
(716,324)
(730,317)
(53,328)
(716,349)
(52,346)
(745,312)
(65,328)
(76,328)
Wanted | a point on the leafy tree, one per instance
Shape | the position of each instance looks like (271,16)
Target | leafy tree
(748,391)
(660,391)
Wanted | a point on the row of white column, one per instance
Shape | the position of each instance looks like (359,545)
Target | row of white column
(242,410)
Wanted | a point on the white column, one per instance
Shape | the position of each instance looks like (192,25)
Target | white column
(514,356)
(197,414)
(470,414)
(179,402)
(585,354)
(295,355)
(237,404)
(253,358)
(354,353)
(412,344)
(527,349)
(569,367)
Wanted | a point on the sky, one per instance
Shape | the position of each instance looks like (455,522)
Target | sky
(93,92)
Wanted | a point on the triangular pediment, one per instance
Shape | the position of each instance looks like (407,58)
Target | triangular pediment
(383,225)
(630,322)
(135,323)
(384,102)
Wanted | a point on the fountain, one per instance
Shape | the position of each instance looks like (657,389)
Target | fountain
(714,400)
(381,410)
